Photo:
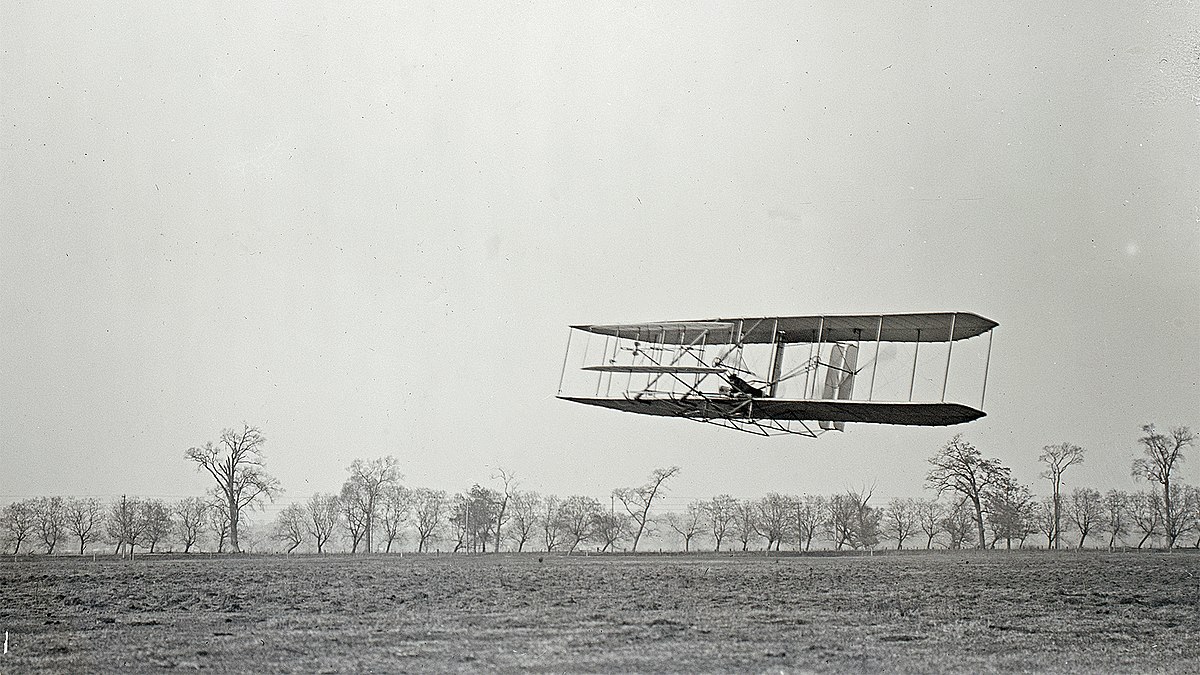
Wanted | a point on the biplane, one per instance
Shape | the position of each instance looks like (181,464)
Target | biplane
(800,375)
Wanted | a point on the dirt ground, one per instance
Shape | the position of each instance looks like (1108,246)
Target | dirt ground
(923,612)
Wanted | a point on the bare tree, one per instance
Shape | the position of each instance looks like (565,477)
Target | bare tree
(689,523)
(474,516)
(363,492)
(853,521)
(808,513)
(1145,509)
(19,521)
(638,500)
(774,518)
(1010,508)
(610,528)
(745,523)
(900,520)
(235,463)
(1028,521)
(459,518)
(551,519)
(1058,458)
(1043,520)
(51,517)
(1163,452)
(929,514)
(191,520)
(1185,499)
(578,515)
(504,499)
(156,522)
(353,516)
(218,521)
(1194,497)
(290,526)
(125,524)
(721,511)
(524,520)
(1085,510)
(957,524)
(1116,516)
(839,521)
(84,520)
(960,468)
(396,506)
(429,510)
(1191,499)
(322,513)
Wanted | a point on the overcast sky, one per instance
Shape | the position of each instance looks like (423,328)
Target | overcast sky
(364,228)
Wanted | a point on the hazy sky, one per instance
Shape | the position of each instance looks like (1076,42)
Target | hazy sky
(365,228)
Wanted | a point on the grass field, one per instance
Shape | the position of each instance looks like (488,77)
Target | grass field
(923,612)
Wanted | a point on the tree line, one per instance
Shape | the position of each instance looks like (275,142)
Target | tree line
(978,503)
(994,500)
(54,524)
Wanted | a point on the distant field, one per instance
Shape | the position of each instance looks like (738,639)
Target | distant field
(942,611)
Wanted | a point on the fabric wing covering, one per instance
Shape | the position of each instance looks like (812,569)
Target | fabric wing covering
(871,412)
(911,327)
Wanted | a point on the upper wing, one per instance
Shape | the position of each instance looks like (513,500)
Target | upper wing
(647,368)
(914,327)
(669,332)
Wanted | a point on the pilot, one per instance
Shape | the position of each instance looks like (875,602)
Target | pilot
(745,388)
